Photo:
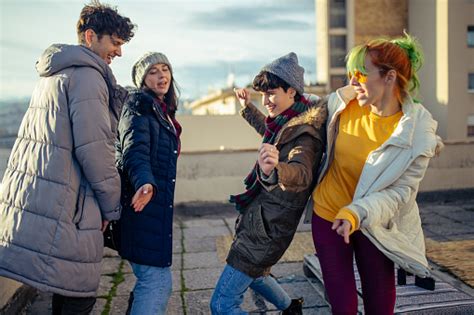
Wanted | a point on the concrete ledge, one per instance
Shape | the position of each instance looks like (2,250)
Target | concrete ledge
(18,302)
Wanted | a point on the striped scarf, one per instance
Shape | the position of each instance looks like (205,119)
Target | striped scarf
(272,127)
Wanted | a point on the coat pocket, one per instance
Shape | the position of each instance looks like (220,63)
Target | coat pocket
(257,225)
(81,197)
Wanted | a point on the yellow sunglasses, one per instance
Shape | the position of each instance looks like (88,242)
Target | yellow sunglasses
(359,76)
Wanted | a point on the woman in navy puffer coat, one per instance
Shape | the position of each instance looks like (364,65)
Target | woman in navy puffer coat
(147,154)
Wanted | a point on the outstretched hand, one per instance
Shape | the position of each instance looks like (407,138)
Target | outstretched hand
(142,197)
(243,96)
(343,228)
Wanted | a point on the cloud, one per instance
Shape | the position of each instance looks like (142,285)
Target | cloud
(18,45)
(268,17)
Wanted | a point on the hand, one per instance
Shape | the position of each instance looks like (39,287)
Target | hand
(142,197)
(243,96)
(343,228)
(104,225)
(268,158)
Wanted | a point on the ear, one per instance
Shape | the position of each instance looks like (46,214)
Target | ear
(391,76)
(291,92)
(89,35)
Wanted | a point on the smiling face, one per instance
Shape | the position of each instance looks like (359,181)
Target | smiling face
(107,47)
(276,101)
(158,79)
(370,87)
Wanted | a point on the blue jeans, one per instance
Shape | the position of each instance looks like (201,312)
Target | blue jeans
(152,289)
(230,289)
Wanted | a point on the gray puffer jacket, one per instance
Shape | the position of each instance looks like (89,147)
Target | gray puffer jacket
(61,180)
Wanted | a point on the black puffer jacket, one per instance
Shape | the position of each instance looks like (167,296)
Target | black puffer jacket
(147,152)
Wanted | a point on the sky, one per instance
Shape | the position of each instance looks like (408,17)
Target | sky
(204,40)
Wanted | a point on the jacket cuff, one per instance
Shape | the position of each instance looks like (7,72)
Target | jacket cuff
(145,180)
(113,215)
(349,215)
(268,186)
(271,179)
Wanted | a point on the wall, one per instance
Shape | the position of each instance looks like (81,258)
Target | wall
(453,169)
(374,18)
(461,62)
(422,23)
(211,133)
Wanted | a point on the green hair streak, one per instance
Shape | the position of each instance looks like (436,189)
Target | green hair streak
(355,59)
(415,54)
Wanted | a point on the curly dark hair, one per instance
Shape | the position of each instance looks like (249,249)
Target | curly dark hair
(265,81)
(104,20)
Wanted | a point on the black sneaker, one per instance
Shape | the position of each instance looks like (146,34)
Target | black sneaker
(295,308)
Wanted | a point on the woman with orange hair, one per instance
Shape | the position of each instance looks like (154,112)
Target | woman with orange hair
(379,143)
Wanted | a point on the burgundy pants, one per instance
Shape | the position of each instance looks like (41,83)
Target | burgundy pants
(336,259)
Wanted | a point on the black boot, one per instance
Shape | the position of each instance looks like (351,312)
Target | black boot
(295,308)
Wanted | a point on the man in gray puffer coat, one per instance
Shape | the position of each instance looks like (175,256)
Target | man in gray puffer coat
(61,186)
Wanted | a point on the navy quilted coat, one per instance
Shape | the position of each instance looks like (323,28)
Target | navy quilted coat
(147,152)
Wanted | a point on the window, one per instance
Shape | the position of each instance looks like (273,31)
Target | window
(470,126)
(337,13)
(470,83)
(338,50)
(470,36)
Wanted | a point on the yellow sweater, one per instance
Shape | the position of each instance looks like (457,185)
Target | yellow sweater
(360,132)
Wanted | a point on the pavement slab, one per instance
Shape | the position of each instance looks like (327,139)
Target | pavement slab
(177,246)
(105,285)
(197,302)
(202,278)
(175,305)
(207,244)
(110,265)
(125,287)
(99,306)
(119,305)
(205,231)
(201,260)
(203,222)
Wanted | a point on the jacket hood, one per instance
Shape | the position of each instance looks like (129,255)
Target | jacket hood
(58,57)
(314,116)
(139,101)
(312,121)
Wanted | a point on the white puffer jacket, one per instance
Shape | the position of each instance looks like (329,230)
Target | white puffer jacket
(385,196)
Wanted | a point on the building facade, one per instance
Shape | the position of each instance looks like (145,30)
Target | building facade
(444,28)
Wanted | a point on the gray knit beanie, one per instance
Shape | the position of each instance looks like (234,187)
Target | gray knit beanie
(288,69)
(141,67)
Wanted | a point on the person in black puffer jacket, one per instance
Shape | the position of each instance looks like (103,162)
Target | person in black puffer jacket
(147,153)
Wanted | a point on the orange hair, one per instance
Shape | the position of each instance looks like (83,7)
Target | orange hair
(402,54)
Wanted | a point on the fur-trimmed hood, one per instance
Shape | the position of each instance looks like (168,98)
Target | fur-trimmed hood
(311,121)
(140,102)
